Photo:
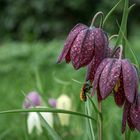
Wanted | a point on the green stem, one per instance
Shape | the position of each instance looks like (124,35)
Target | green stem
(100,130)
(95,17)
(89,121)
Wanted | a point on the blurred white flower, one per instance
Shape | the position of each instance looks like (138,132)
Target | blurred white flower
(34,121)
(32,100)
(63,102)
(48,117)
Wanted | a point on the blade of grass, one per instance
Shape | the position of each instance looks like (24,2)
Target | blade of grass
(110,12)
(47,110)
(131,50)
(94,106)
(87,106)
(123,23)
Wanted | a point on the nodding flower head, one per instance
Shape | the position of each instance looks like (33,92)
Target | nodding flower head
(82,44)
(32,99)
(52,102)
(118,75)
(131,115)
(92,67)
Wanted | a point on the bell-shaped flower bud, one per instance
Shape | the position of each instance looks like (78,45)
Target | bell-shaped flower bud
(64,102)
(32,99)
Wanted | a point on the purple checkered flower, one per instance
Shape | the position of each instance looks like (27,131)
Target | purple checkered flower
(118,75)
(83,44)
(131,115)
(92,67)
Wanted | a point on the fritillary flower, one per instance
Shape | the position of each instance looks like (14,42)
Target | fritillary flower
(33,100)
(131,115)
(84,44)
(118,75)
(92,67)
(63,102)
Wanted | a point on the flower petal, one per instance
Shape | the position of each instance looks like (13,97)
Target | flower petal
(129,121)
(135,113)
(129,80)
(109,77)
(33,121)
(119,94)
(90,71)
(99,71)
(68,43)
(125,114)
(101,44)
(83,48)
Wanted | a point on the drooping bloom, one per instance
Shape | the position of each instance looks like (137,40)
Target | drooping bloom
(92,67)
(64,102)
(118,75)
(52,102)
(131,115)
(84,44)
(33,100)
(34,121)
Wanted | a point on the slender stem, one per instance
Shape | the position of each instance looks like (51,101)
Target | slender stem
(90,123)
(113,36)
(121,51)
(95,17)
(124,136)
(100,130)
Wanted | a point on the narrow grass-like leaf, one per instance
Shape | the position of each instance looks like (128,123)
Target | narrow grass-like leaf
(94,106)
(123,23)
(50,130)
(47,110)
(110,12)
(87,106)
(131,7)
(132,51)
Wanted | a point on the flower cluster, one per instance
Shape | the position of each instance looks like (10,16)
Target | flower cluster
(107,70)
(34,100)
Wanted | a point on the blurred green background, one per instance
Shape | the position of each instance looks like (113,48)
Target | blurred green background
(32,34)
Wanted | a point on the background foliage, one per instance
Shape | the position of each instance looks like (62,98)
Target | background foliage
(47,19)
(32,35)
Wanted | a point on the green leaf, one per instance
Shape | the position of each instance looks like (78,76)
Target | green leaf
(131,50)
(47,110)
(110,12)
(94,106)
(87,110)
(49,129)
(123,24)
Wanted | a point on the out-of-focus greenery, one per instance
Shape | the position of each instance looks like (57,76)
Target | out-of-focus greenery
(18,63)
(46,19)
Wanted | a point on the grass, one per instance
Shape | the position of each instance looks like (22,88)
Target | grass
(18,64)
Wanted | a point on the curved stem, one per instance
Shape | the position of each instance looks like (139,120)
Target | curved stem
(113,36)
(121,51)
(95,17)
